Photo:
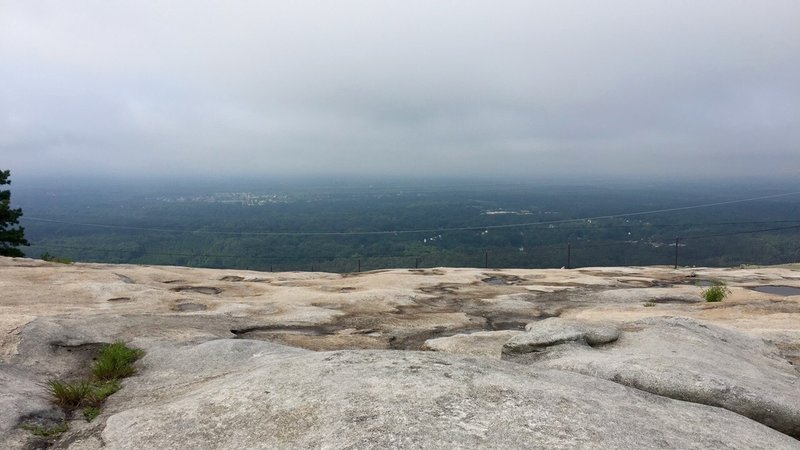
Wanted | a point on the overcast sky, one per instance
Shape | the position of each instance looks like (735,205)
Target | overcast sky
(499,88)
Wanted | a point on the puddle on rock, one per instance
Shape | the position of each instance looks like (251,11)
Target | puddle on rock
(231,278)
(341,290)
(341,337)
(502,280)
(510,325)
(309,330)
(674,300)
(189,307)
(778,290)
(514,322)
(415,340)
(198,289)
(424,271)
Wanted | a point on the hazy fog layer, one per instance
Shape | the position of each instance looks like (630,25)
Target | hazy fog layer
(400,87)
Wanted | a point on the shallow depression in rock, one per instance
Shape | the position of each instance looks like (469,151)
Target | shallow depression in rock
(778,290)
(189,307)
(198,289)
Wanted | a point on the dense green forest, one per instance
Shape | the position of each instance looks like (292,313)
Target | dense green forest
(340,227)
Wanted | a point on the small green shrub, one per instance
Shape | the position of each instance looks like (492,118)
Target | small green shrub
(44,431)
(648,304)
(50,258)
(90,413)
(115,362)
(715,293)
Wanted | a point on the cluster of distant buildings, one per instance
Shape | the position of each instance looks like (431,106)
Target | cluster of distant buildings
(519,212)
(242,198)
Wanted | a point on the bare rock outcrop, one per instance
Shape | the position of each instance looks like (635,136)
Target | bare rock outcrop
(270,396)
(487,344)
(611,357)
(553,331)
(675,357)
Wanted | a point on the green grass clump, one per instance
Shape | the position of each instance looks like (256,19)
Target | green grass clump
(715,293)
(43,431)
(115,362)
(90,413)
(103,390)
(70,396)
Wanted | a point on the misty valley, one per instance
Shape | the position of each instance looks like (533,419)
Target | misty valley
(351,226)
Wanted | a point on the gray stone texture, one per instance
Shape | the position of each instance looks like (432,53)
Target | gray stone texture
(679,358)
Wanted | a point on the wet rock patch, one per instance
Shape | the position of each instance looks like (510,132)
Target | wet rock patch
(502,280)
(784,291)
(206,290)
(231,278)
(189,307)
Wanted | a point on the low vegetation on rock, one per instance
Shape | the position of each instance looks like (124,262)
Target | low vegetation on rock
(114,363)
(50,258)
(716,293)
(46,431)
(81,394)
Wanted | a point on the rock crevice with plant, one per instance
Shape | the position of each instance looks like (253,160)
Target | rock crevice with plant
(86,395)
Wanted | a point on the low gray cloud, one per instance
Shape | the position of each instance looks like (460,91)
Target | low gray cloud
(404,88)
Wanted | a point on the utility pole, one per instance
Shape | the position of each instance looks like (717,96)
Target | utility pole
(416,263)
(359,265)
(569,256)
(486,258)
(677,243)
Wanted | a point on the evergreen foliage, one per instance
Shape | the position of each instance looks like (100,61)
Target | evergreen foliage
(11,235)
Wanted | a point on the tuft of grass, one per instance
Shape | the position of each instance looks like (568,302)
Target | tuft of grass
(90,413)
(102,391)
(115,362)
(716,293)
(44,431)
(648,304)
(69,396)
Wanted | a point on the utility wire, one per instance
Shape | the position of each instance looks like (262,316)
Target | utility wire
(410,231)
(741,232)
